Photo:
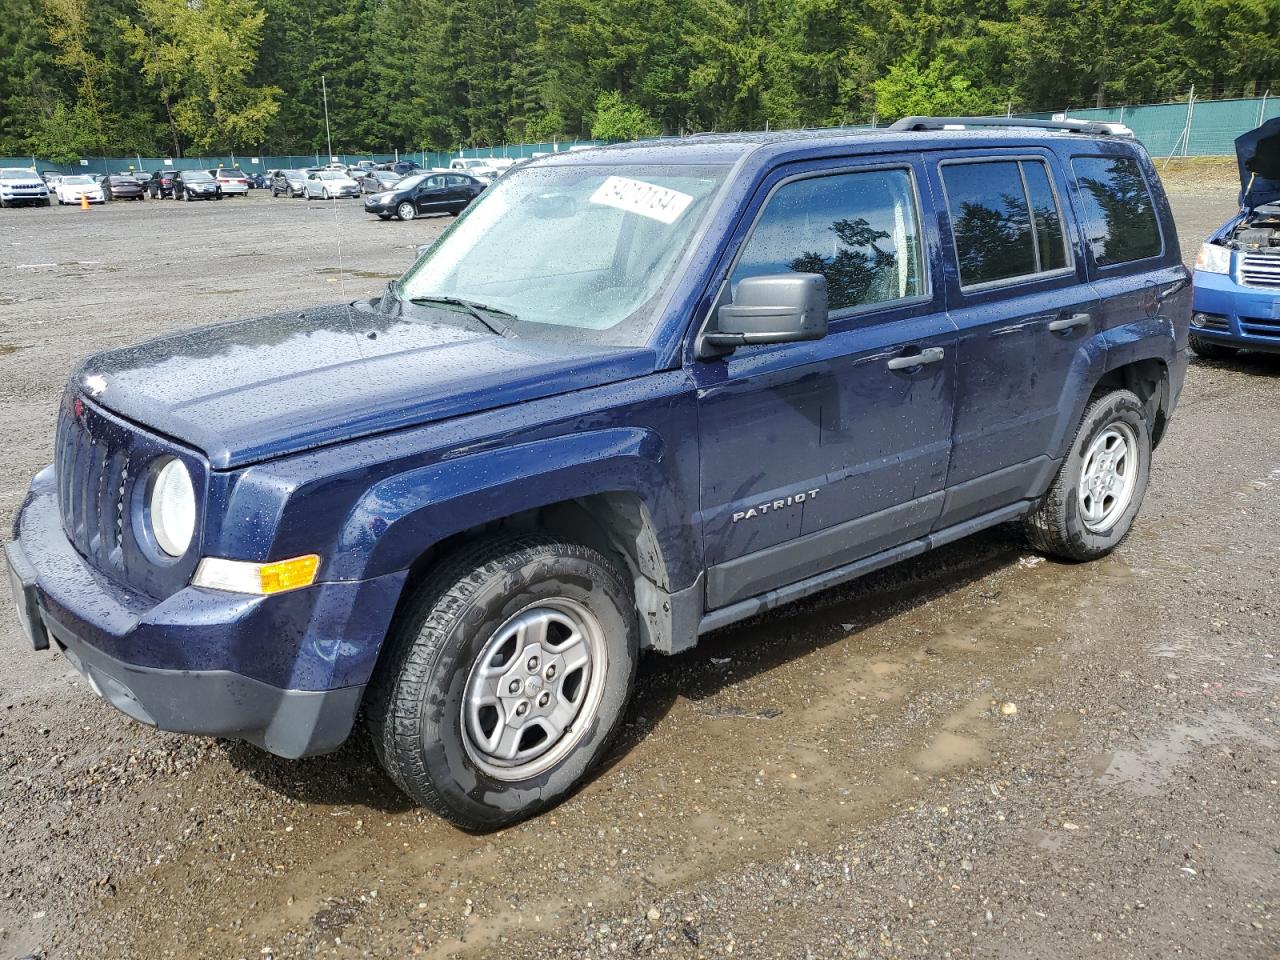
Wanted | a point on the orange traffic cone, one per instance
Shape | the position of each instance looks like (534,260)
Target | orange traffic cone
(84,201)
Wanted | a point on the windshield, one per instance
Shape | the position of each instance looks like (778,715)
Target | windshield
(77,181)
(333,175)
(196,175)
(14,173)
(572,252)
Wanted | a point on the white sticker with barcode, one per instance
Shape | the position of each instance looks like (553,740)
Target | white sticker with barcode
(646,199)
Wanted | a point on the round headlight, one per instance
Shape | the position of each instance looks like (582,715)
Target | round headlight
(173,507)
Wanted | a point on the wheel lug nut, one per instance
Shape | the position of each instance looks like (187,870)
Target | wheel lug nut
(513,686)
(533,664)
(551,672)
(544,699)
(522,708)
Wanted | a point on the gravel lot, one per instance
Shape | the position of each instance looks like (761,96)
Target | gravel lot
(977,754)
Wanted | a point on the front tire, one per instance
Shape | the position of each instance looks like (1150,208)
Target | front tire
(1210,350)
(406,211)
(504,679)
(1092,502)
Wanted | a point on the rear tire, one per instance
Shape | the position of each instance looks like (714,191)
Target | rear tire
(451,721)
(1091,504)
(1210,350)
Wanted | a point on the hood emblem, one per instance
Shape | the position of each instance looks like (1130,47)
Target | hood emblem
(95,384)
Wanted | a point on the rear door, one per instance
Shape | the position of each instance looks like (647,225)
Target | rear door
(818,454)
(1018,292)
(1129,259)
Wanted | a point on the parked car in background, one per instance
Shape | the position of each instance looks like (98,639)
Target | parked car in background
(195,185)
(363,168)
(289,183)
(160,184)
(257,181)
(402,167)
(72,189)
(232,183)
(330,185)
(123,186)
(376,181)
(50,178)
(139,175)
(1237,273)
(22,186)
(425,193)
(480,169)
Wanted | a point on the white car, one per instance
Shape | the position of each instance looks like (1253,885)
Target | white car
(330,185)
(71,189)
(231,182)
(22,185)
(477,167)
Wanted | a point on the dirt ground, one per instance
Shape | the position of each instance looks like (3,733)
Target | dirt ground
(976,754)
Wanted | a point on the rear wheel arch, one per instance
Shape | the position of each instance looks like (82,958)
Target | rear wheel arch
(1148,379)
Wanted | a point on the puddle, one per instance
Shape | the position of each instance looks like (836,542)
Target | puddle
(8,348)
(948,751)
(1146,770)
(357,274)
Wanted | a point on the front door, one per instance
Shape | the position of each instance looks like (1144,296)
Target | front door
(1026,314)
(432,194)
(816,455)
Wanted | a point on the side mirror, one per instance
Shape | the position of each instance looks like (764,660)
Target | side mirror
(778,308)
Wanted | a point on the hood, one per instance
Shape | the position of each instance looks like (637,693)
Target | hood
(265,387)
(1258,156)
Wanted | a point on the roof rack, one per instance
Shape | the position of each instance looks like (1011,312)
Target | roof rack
(959,123)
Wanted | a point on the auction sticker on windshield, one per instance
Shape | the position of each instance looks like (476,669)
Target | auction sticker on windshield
(646,199)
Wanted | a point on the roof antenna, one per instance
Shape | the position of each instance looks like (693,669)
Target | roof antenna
(337,225)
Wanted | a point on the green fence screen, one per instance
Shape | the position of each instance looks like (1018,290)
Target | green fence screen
(1163,129)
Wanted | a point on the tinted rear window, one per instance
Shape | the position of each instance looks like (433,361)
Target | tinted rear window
(1005,220)
(1119,216)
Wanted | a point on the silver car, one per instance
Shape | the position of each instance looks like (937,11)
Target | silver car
(330,185)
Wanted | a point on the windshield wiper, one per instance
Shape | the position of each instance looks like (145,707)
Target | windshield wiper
(490,323)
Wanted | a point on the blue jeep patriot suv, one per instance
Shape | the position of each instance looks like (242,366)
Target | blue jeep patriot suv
(633,395)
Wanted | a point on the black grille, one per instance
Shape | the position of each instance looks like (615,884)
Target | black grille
(1260,326)
(99,462)
(92,472)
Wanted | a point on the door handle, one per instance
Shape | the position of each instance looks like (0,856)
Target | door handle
(1066,323)
(910,361)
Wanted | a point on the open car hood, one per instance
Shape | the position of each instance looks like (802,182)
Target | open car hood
(1258,156)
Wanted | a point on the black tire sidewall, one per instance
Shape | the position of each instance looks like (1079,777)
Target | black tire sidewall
(477,799)
(1118,406)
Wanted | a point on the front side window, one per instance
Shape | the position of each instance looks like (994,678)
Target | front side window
(573,252)
(859,230)
(1005,220)
(1118,212)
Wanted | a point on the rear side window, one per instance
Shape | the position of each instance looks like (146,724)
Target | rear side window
(859,230)
(1120,219)
(1005,220)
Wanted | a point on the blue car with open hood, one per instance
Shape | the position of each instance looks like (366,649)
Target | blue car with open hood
(1237,272)
(632,395)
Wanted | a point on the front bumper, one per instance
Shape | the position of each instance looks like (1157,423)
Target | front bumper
(201,661)
(1247,317)
(26,196)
